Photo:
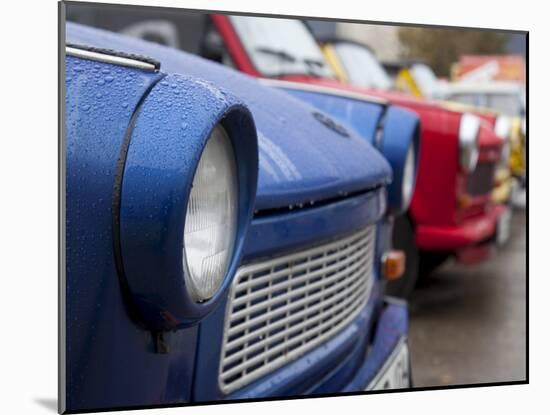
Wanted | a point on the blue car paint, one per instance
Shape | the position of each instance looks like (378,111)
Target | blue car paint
(309,375)
(163,153)
(275,234)
(111,360)
(363,116)
(393,325)
(400,123)
(310,225)
(300,158)
(400,130)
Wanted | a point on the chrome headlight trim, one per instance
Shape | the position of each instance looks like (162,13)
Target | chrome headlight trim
(211,218)
(468,141)
(503,127)
(157,177)
(409,176)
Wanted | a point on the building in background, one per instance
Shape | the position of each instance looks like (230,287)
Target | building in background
(490,54)
(382,39)
(482,68)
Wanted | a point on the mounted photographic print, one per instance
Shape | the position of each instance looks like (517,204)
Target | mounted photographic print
(276,207)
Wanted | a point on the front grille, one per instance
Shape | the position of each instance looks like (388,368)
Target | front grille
(481,180)
(280,308)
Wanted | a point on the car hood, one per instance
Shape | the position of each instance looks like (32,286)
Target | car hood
(393,97)
(305,156)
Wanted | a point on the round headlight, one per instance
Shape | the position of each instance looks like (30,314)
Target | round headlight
(468,142)
(408,176)
(183,202)
(503,127)
(211,218)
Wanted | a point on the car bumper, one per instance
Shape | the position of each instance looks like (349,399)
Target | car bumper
(387,365)
(454,239)
(356,357)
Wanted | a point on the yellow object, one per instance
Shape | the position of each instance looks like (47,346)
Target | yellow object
(405,82)
(503,186)
(517,149)
(333,61)
(516,161)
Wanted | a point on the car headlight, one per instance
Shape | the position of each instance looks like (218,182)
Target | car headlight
(211,218)
(503,127)
(409,174)
(400,144)
(186,199)
(468,136)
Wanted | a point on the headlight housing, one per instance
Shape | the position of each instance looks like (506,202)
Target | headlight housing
(400,144)
(186,196)
(211,218)
(503,129)
(468,141)
(409,175)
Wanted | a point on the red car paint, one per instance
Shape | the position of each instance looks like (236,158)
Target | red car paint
(441,222)
(469,232)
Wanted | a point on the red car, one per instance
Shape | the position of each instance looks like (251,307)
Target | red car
(451,213)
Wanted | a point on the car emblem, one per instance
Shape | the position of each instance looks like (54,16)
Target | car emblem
(331,124)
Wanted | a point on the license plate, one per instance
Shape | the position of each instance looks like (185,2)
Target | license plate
(395,373)
(503,226)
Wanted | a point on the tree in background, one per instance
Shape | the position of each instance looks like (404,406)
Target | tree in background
(440,48)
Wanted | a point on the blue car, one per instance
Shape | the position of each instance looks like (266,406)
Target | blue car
(223,239)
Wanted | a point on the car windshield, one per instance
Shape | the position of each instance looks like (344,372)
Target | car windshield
(361,66)
(509,104)
(281,46)
(425,79)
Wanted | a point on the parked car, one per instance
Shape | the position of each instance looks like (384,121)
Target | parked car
(451,213)
(490,100)
(413,76)
(223,239)
(457,219)
(356,63)
(504,98)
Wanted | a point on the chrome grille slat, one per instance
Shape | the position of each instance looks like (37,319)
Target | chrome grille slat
(297,304)
(281,308)
(267,340)
(276,349)
(254,268)
(293,293)
(297,280)
(282,322)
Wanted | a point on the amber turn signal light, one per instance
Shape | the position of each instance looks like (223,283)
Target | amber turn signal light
(393,264)
(464,201)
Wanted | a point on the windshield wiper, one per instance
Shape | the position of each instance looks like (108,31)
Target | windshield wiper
(312,66)
(279,53)
(315,62)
